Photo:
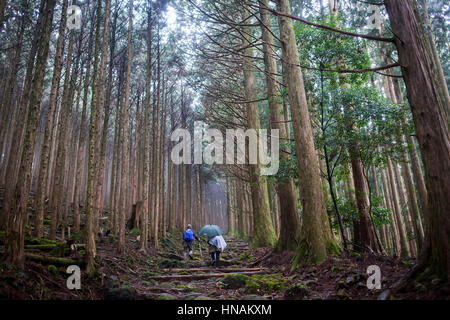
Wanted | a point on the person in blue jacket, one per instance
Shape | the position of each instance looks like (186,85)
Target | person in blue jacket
(188,241)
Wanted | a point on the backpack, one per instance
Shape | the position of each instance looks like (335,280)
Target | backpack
(188,235)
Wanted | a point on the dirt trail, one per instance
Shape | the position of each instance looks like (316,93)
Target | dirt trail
(196,278)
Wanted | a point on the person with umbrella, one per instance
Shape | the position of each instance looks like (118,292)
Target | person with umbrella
(216,242)
(188,240)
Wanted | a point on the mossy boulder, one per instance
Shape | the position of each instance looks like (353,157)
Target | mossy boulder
(256,283)
(297,291)
(52,269)
(266,283)
(235,281)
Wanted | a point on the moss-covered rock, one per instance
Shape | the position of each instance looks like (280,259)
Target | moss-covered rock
(235,281)
(52,269)
(270,282)
(257,283)
(297,291)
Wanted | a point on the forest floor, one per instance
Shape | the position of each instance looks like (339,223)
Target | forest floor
(245,274)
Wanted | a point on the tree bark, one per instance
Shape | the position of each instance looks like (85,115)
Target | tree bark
(14,241)
(289,217)
(315,233)
(125,142)
(428,110)
(264,234)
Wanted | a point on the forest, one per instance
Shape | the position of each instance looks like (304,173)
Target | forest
(224,150)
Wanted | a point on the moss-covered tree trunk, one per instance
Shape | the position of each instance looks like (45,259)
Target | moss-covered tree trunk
(289,217)
(89,231)
(45,153)
(18,204)
(15,135)
(124,185)
(264,233)
(60,164)
(82,138)
(146,137)
(104,112)
(431,122)
(315,240)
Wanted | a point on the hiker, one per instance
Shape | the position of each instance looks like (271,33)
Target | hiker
(216,245)
(188,241)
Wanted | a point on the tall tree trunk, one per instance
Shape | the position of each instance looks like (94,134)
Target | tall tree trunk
(264,232)
(315,233)
(92,156)
(103,107)
(81,150)
(125,153)
(63,125)
(15,136)
(428,110)
(443,89)
(147,137)
(289,217)
(43,170)
(390,206)
(415,165)
(14,241)
(404,251)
